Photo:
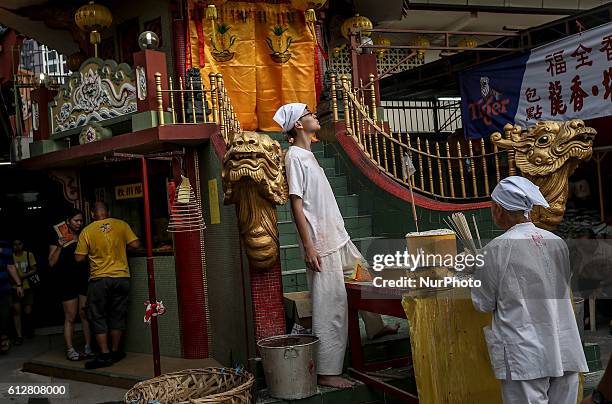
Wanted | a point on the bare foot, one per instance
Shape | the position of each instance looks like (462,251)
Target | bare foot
(387,330)
(338,382)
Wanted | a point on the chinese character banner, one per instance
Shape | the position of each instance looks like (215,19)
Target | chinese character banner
(569,78)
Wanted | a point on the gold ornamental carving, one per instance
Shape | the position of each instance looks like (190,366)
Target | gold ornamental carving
(278,45)
(254,180)
(547,154)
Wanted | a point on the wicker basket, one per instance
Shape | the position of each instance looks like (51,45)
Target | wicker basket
(195,386)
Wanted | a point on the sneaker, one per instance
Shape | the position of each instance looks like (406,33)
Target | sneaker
(18,341)
(101,361)
(88,353)
(73,355)
(117,356)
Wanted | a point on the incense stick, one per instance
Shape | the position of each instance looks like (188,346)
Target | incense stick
(477,232)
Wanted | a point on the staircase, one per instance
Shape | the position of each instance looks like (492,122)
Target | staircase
(358,222)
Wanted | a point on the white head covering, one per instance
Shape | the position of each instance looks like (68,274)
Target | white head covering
(518,193)
(288,115)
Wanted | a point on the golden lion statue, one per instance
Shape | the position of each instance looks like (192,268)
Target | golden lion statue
(254,180)
(547,154)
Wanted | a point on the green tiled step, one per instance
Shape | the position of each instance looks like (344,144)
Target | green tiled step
(356,226)
(348,204)
(326,162)
(292,265)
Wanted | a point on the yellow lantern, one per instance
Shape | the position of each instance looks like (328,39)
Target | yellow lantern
(381,40)
(467,43)
(357,21)
(93,18)
(303,5)
(421,41)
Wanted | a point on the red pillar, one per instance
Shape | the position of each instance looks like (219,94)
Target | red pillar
(153,62)
(367,65)
(190,286)
(43,96)
(267,297)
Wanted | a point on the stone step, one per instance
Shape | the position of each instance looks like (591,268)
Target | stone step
(356,226)
(293,268)
(348,204)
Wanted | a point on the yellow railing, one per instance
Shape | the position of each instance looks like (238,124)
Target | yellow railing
(444,169)
(192,103)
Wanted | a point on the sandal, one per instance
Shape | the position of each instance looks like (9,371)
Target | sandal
(5,345)
(73,355)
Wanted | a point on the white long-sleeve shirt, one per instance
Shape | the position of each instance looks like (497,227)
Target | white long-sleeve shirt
(525,283)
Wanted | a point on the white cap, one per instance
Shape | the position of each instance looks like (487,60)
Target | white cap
(288,115)
(518,193)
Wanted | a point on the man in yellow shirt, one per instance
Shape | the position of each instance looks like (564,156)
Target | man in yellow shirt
(104,241)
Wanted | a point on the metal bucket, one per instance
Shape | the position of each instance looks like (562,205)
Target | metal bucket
(289,365)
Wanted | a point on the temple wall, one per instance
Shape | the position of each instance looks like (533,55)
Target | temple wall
(138,337)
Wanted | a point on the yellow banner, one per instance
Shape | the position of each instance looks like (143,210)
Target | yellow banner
(128,191)
(265,52)
(213,200)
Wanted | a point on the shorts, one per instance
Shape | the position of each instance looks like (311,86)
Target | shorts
(107,304)
(72,285)
(26,300)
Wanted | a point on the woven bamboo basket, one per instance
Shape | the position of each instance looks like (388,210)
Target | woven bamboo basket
(195,386)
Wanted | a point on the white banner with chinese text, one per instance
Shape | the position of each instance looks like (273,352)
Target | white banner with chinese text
(569,78)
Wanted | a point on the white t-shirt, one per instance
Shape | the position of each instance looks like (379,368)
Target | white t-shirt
(307,180)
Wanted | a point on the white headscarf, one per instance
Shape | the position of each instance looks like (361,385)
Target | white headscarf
(288,115)
(518,193)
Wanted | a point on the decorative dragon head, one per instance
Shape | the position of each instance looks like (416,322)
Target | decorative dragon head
(254,180)
(547,154)
(257,157)
(547,145)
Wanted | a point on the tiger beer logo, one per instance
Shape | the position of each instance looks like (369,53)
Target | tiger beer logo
(491,104)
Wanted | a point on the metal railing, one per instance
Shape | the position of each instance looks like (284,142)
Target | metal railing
(450,169)
(428,116)
(192,103)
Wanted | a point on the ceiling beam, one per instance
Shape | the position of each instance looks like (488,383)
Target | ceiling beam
(490,9)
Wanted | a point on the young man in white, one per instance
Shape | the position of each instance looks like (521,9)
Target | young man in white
(533,340)
(325,243)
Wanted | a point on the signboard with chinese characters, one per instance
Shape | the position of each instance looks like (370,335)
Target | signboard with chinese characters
(128,191)
(569,78)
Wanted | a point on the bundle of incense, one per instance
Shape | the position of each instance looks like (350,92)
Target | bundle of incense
(459,225)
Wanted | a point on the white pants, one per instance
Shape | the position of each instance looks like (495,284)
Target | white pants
(330,309)
(546,390)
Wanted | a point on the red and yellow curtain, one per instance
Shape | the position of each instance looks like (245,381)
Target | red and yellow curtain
(265,52)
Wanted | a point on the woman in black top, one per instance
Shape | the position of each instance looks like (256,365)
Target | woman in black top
(72,280)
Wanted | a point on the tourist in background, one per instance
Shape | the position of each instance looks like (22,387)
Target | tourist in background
(7,272)
(72,280)
(25,263)
(104,242)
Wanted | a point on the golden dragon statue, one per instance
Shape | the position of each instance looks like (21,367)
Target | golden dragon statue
(547,154)
(254,179)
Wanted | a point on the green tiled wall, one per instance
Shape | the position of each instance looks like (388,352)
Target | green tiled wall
(138,336)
